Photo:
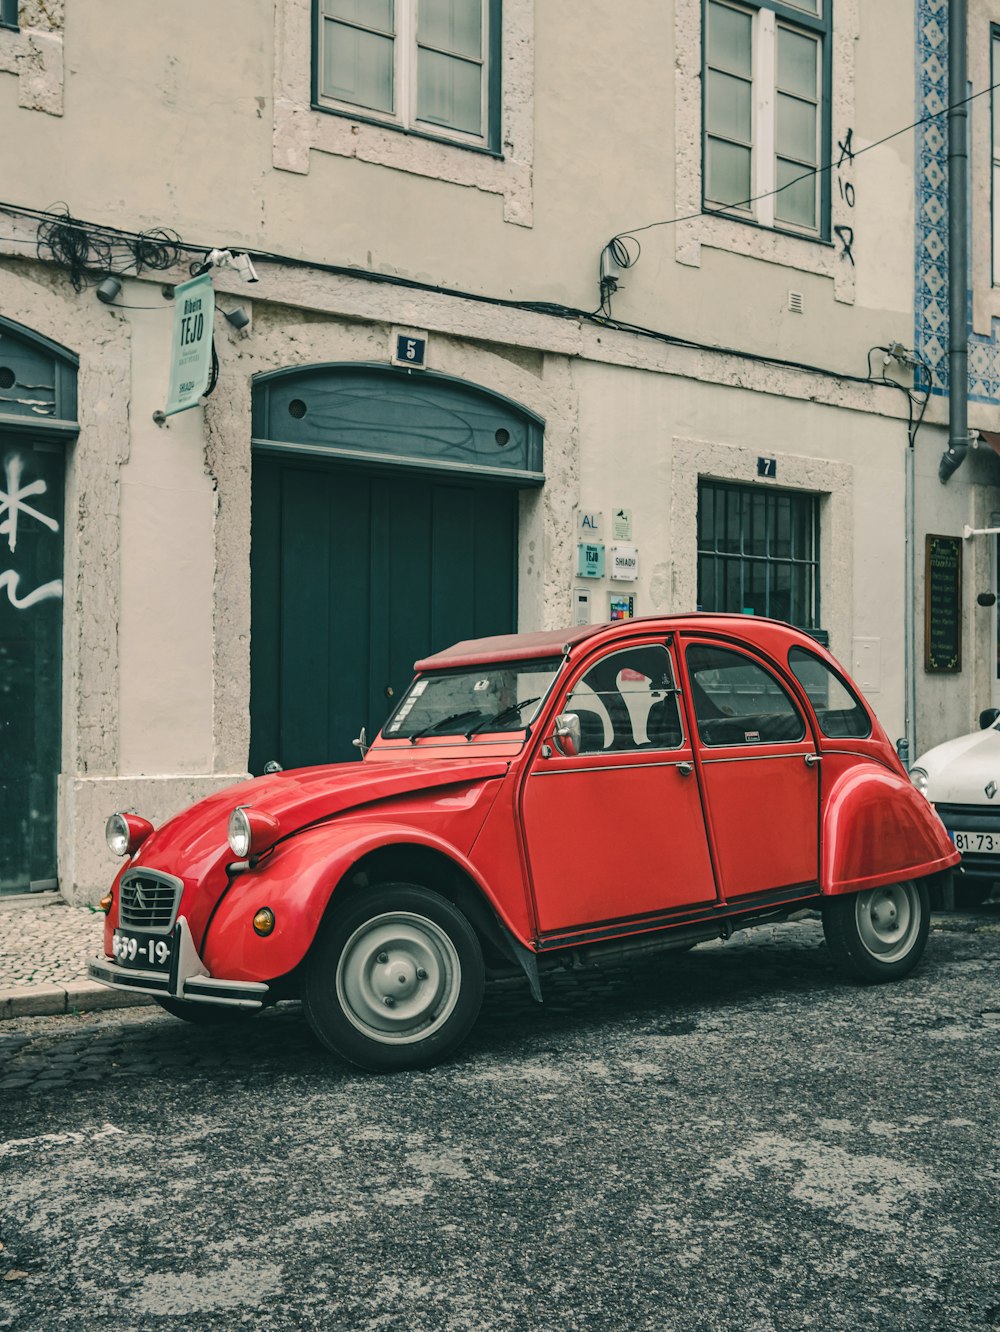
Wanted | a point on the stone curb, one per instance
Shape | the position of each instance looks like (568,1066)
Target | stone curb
(75,996)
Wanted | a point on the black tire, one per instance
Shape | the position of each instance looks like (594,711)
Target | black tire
(398,942)
(878,935)
(205,1015)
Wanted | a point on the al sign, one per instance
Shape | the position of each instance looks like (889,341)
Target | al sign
(191,345)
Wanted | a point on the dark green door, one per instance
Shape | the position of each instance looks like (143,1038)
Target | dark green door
(31,555)
(354,576)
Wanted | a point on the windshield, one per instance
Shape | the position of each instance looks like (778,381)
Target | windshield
(475,699)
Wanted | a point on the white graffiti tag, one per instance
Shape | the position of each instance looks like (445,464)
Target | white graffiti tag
(12,501)
(9,580)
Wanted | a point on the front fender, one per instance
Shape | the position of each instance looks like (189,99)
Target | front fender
(878,829)
(297,882)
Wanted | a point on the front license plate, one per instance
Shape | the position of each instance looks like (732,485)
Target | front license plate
(148,952)
(977,843)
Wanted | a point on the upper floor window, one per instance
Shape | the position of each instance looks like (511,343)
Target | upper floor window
(766,112)
(8,13)
(430,66)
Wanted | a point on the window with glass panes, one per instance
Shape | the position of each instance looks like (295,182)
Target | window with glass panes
(766,112)
(424,65)
(758,552)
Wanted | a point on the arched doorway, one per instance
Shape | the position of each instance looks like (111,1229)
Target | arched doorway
(37,419)
(384,527)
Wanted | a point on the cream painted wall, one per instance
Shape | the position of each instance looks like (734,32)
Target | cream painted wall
(182,105)
(635,429)
(167,549)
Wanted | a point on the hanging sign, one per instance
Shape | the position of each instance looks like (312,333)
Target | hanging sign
(191,344)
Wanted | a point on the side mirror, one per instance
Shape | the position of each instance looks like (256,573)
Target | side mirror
(566,736)
(361,743)
(988,717)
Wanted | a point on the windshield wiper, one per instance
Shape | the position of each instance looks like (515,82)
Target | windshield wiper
(511,711)
(443,721)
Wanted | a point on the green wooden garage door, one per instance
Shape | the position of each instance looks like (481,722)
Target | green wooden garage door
(354,576)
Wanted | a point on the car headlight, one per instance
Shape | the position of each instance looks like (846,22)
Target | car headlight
(918,777)
(250,832)
(125,833)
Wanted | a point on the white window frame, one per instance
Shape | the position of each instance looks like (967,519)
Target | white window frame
(405,58)
(765,23)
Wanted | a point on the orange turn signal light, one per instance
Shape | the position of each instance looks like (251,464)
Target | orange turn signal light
(263,921)
(106,902)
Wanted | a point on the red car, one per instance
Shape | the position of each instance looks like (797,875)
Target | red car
(535,801)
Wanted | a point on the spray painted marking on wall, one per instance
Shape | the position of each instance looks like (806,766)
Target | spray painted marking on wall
(12,503)
(844,233)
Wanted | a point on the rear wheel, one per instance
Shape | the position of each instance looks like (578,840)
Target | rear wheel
(879,934)
(394,979)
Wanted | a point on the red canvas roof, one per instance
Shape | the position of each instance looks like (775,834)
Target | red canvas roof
(509,647)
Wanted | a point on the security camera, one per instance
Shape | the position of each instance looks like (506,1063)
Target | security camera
(244,265)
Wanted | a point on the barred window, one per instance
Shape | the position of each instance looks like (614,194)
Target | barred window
(758,552)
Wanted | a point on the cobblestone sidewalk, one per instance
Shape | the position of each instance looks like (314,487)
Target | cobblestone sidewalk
(44,951)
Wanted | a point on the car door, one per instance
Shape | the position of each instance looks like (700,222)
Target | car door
(615,832)
(759,770)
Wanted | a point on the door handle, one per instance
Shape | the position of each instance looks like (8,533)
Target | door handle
(813,759)
(685,769)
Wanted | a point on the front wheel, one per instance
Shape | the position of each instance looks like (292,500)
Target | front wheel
(879,934)
(394,979)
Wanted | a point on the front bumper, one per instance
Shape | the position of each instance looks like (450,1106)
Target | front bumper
(187,978)
(974,818)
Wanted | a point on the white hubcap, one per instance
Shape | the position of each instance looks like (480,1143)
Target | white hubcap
(398,978)
(888,920)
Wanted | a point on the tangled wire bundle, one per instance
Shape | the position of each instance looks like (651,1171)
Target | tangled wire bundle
(84,248)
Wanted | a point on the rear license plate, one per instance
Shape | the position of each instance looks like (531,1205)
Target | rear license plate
(977,843)
(149,952)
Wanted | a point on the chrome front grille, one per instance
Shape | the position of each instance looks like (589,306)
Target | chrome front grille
(148,901)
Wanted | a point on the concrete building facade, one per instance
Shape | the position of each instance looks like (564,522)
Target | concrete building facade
(613,356)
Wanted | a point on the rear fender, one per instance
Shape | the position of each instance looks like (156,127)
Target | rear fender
(878,829)
(297,883)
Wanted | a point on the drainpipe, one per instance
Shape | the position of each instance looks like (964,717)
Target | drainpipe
(958,257)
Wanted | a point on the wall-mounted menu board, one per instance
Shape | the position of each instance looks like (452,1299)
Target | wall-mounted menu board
(943,604)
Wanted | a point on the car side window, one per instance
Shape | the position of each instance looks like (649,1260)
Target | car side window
(738,702)
(839,711)
(628,701)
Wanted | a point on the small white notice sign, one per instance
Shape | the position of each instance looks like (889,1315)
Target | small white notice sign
(621,525)
(624,563)
(589,525)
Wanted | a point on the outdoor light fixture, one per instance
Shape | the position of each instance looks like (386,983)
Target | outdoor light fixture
(238,317)
(107,290)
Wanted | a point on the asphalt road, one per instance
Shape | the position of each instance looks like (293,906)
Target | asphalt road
(729,1139)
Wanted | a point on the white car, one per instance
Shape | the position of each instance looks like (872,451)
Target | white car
(961,779)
